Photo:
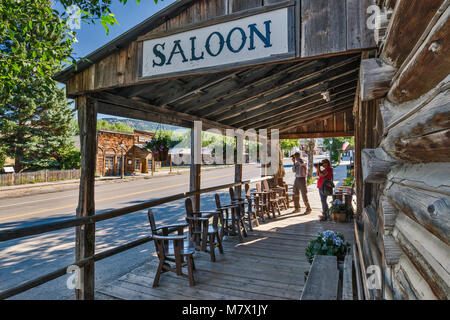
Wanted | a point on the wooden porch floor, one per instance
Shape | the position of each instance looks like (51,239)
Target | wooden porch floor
(270,264)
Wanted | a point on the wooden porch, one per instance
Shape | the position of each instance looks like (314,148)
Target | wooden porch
(269,265)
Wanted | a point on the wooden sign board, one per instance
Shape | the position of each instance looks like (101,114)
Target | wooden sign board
(219,45)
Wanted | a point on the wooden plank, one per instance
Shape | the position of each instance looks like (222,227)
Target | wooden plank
(359,36)
(375,78)
(324,28)
(409,21)
(195,166)
(347,278)
(428,67)
(323,278)
(85,235)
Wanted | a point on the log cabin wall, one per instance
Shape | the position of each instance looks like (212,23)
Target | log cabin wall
(402,128)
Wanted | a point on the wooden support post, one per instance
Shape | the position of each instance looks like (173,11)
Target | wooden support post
(85,235)
(375,79)
(196,160)
(238,165)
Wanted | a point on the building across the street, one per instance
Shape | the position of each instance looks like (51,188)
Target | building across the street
(112,147)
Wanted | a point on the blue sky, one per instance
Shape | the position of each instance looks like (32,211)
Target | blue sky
(93,36)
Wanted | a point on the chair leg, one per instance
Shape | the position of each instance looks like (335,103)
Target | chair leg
(219,241)
(212,247)
(250,218)
(190,266)
(158,274)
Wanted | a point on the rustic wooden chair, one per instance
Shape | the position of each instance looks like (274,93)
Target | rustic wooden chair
(274,198)
(233,222)
(248,215)
(252,210)
(206,236)
(177,249)
(281,193)
(284,185)
(263,205)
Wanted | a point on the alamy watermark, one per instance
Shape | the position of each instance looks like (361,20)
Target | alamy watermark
(373,277)
(74,280)
(238,147)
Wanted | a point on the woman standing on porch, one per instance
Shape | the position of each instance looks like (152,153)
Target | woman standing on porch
(326,173)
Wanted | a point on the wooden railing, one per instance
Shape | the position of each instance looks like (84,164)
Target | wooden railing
(11,179)
(75,222)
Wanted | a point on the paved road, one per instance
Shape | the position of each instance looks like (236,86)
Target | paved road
(25,259)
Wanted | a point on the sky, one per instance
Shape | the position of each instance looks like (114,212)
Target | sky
(93,36)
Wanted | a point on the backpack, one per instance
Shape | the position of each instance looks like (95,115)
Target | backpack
(327,187)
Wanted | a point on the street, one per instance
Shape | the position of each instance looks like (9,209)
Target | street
(24,259)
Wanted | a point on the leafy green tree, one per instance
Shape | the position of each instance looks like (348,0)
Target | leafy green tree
(2,157)
(34,42)
(35,127)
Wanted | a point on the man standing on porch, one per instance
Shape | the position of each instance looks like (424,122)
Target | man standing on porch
(300,169)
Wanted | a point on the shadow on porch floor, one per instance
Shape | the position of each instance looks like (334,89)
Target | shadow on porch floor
(270,264)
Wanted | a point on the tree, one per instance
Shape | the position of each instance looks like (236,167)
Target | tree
(36,127)
(288,144)
(36,39)
(311,147)
(34,43)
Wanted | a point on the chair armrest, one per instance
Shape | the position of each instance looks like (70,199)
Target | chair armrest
(157,237)
(197,218)
(171,226)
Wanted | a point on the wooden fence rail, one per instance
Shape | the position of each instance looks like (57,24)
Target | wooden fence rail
(74,222)
(12,179)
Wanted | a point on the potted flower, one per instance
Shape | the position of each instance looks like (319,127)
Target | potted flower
(159,147)
(339,211)
(327,243)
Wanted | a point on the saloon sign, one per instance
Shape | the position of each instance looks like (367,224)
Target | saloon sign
(237,42)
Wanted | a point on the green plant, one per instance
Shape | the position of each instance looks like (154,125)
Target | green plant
(328,243)
(349,181)
(310,181)
(158,144)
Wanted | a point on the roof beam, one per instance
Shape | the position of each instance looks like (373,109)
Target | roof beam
(287,85)
(304,109)
(206,104)
(318,115)
(275,108)
(125,107)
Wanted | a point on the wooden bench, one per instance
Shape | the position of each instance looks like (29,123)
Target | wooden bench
(324,283)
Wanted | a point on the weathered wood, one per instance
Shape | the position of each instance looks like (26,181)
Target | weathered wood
(420,206)
(375,78)
(323,277)
(85,234)
(358,34)
(316,135)
(428,67)
(164,115)
(422,133)
(347,278)
(324,28)
(388,214)
(195,166)
(392,250)
(429,255)
(409,21)
(375,165)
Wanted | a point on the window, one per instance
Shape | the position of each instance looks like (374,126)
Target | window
(109,162)
(137,164)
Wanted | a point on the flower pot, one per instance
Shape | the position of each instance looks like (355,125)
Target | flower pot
(339,216)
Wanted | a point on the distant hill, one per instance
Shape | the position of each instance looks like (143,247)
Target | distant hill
(142,125)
